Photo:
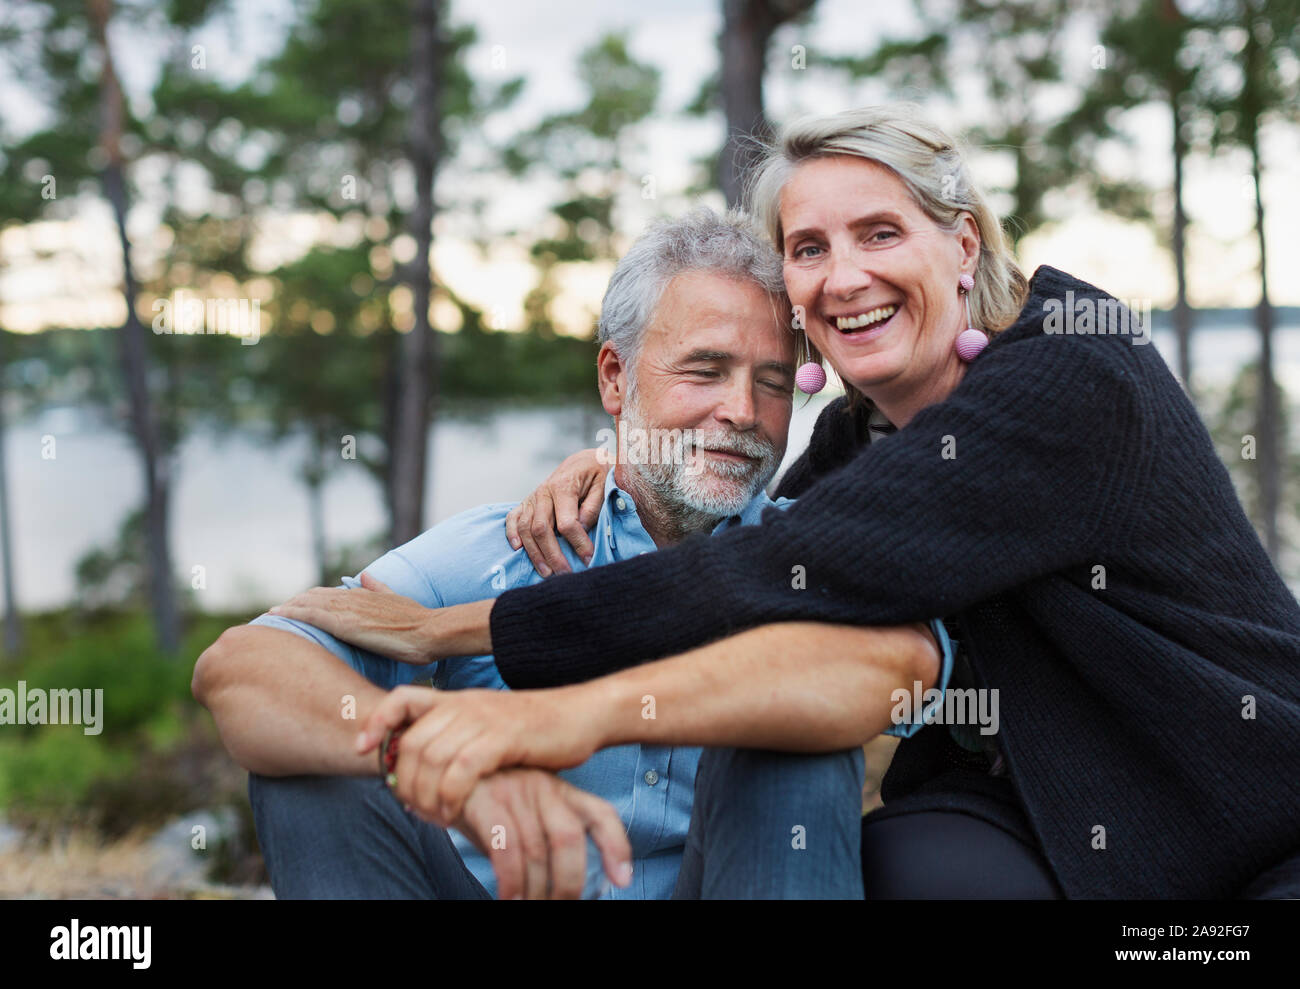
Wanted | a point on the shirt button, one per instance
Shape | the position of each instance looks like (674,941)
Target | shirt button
(620,504)
(651,778)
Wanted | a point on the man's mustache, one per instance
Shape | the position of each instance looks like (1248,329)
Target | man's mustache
(743,444)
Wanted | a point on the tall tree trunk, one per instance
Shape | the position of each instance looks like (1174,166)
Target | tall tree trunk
(747,28)
(134,357)
(1268,463)
(13,635)
(418,349)
(1269,441)
(1182,310)
(313,476)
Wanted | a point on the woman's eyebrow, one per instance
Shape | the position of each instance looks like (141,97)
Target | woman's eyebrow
(862,221)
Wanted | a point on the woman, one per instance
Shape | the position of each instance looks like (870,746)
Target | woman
(1055,497)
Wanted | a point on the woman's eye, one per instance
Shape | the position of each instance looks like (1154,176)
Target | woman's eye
(883,233)
(803,251)
(707,374)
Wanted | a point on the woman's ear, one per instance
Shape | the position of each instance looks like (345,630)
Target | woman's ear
(611,379)
(968,241)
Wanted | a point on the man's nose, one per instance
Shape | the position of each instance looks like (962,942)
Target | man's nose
(737,406)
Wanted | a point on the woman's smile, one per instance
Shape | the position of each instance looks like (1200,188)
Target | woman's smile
(865,325)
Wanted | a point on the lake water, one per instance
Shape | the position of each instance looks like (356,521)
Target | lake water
(240,512)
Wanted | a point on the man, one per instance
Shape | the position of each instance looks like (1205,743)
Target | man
(696,366)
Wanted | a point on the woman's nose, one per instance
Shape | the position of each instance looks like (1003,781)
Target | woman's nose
(845,277)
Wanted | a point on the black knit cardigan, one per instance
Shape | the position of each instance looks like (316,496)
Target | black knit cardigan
(1066,508)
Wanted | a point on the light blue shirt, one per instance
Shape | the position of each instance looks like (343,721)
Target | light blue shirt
(467,558)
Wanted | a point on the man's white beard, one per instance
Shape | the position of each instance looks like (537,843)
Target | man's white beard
(693,490)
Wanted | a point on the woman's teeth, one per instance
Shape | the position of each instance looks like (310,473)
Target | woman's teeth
(865,319)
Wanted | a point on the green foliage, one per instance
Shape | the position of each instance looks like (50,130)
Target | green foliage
(586,149)
(148,715)
(113,576)
(53,772)
(521,367)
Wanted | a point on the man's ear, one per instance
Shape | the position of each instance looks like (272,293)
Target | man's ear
(611,378)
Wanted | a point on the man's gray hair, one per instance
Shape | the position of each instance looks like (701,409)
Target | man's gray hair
(699,241)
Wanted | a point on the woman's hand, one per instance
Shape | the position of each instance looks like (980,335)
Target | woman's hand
(456,738)
(373,617)
(567,502)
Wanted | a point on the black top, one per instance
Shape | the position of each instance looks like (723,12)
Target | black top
(1149,711)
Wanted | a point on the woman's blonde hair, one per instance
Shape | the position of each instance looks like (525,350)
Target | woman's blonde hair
(930,165)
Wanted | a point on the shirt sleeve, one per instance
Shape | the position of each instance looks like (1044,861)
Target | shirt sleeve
(1031,466)
(397,571)
(909,728)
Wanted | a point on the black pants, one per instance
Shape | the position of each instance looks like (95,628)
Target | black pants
(948,855)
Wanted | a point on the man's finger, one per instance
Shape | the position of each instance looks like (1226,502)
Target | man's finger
(531,835)
(484,815)
(601,820)
(566,839)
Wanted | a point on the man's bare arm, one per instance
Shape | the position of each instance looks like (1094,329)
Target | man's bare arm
(278,700)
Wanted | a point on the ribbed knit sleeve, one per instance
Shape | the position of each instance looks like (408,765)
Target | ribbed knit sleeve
(1030,466)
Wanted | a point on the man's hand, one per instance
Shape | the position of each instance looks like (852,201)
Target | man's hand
(533,827)
(567,502)
(371,616)
(456,738)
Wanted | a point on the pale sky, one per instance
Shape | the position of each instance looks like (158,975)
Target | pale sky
(66,273)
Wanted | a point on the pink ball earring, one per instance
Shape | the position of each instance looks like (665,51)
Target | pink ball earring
(970,341)
(811,378)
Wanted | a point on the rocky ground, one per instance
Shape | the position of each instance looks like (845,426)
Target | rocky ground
(78,864)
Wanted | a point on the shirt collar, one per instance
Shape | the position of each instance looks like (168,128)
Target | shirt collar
(878,426)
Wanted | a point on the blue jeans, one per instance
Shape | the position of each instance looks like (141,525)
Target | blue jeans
(347,837)
(764,825)
(774,825)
